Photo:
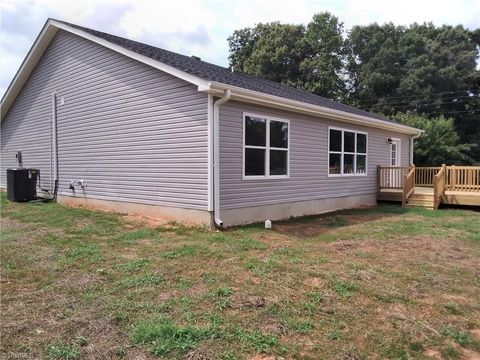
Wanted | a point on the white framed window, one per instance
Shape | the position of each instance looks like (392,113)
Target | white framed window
(266,147)
(347,152)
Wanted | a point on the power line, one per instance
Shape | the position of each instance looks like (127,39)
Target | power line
(448,112)
(436,93)
(430,104)
(399,100)
(440,101)
(424,94)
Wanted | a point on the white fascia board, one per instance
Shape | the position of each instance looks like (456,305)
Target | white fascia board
(33,57)
(256,97)
(45,37)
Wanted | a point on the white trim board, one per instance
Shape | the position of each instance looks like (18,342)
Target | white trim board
(398,159)
(267,148)
(342,153)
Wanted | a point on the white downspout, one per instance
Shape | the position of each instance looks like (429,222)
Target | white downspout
(412,138)
(216,157)
(54,178)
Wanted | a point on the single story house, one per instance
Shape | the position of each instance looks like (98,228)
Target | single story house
(126,126)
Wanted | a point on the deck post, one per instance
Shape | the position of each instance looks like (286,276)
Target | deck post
(379,183)
(414,176)
(453,178)
(444,167)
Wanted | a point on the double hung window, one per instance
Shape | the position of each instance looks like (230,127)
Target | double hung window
(266,147)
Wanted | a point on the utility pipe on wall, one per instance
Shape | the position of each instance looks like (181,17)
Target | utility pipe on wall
(54,176)
(412,138)
(216,156)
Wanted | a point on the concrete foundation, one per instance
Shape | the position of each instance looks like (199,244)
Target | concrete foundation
(230,217)
(187,216)
(286,210)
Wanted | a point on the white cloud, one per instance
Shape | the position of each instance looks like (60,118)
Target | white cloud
(466,12)
(202,27)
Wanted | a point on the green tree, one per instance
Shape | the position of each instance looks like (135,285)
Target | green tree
(322,69)
(439,144)
(272,51)
(309,58)
(421,69)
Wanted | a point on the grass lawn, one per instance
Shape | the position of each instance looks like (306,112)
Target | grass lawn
(377,283)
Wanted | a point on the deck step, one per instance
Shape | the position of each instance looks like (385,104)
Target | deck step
(420,202)
(421,197)
(417,199)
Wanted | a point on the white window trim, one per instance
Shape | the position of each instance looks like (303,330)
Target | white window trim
(267,148)
(348,153)
(399,151)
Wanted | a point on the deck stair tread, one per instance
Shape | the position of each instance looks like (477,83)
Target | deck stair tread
(421,199)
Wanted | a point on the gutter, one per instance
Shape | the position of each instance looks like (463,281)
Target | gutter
(54,178)
(216,157)
(278,102)
(412,138)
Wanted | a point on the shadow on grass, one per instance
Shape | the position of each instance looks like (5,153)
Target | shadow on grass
(312,226)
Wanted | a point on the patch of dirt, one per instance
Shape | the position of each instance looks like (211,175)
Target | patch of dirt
(144,242)
(252,302)
(200,353)
(262,357)
(197,289)
(146,221)
(475,334)
(104,340)
(255,280)
(344,246)
(348,355)
(432,353)
(301,230)
(128,254)
(78,282)
(456,298)
(468,354)
(322,224)
(314,282)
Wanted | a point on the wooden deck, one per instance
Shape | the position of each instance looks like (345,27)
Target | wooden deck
(430,186)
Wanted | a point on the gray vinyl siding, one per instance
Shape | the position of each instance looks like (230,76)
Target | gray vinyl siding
(132,132)
(308,160)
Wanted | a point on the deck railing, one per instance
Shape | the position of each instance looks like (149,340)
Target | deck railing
(463,178)
(439,186)
(391,177)
(408,184)
(424,175)
(451,184)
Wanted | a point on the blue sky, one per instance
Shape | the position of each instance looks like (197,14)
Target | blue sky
(201,27)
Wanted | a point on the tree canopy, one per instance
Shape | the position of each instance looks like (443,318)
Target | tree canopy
(310,58)
(421,69)
(439,144)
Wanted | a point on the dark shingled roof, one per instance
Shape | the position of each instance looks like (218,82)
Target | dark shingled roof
(211,72)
